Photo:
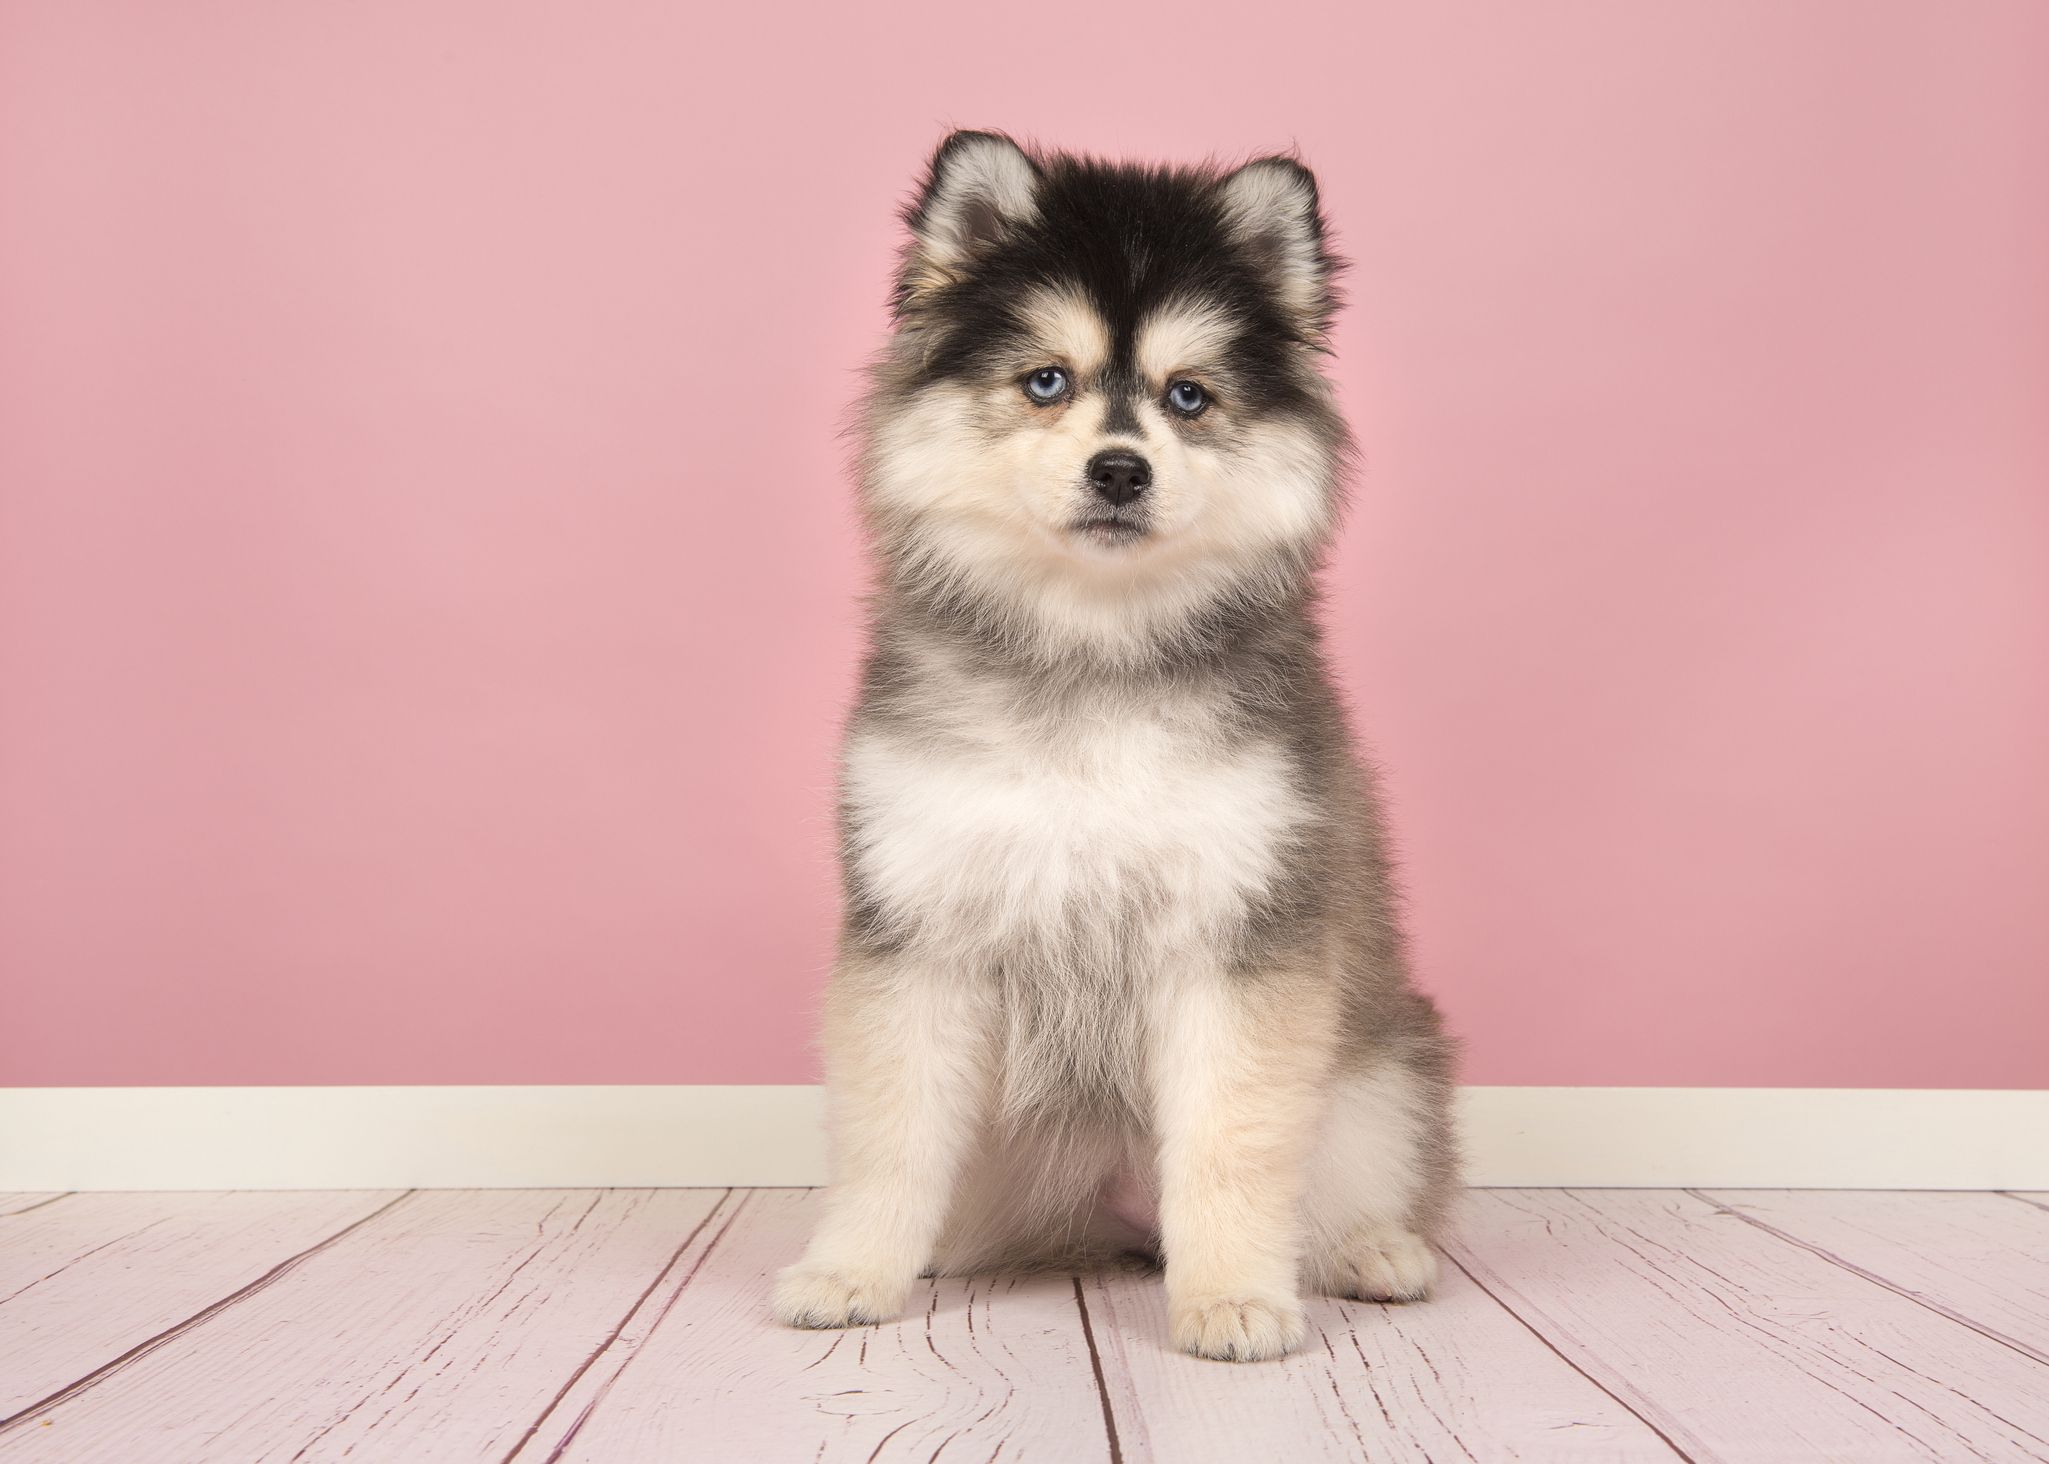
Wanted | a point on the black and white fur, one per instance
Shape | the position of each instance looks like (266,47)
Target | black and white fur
(1121,966)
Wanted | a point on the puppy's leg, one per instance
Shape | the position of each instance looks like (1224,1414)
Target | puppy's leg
(1238,1064)
(907,1050)
(1380,1182)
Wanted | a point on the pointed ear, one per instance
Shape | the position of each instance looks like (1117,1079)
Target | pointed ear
(1270,206)
(979,187)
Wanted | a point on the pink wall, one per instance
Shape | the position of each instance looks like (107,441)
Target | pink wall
(426,585)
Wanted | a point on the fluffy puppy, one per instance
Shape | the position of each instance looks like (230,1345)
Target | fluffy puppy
(1120,966)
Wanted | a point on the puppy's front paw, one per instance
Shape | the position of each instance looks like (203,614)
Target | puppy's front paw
(1395,1265)
(1237,1329)
(810,1295)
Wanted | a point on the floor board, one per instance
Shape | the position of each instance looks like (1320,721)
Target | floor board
(14,1202)
(1736,1344)
(975,1366)
(1982,1260)
(84,1280)
(439,1329)
(630,1327)
(1455,1378)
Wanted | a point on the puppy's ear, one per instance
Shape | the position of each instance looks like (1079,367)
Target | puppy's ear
(979,187)
(1270,206)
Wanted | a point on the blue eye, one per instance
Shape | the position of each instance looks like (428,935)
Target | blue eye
(1046,385)
(1187,398)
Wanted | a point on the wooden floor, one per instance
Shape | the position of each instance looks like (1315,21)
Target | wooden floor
(630,1325)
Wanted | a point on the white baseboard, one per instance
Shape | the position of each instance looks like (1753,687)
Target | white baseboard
(456,1137)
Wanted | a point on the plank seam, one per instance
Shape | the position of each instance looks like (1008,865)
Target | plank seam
(10,1214)
(1874,1278)
(590,1408)
(1789,1349)
(204,1314)
(1088,1335)
(2031,1204)
(1623,1403)
(611,1337)
(473,1306)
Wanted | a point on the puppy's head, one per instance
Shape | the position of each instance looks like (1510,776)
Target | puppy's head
(1102,414)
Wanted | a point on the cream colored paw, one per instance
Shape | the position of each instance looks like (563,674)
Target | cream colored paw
(809,1295)
(1232,1329)
(1394,1266)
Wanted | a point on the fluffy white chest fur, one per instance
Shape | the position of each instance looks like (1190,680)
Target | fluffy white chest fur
(1124,835)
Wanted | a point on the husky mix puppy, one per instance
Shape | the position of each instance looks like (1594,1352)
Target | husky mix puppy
(1121,967)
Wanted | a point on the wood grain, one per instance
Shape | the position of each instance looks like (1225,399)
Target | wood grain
(978,1368)
(1737,1344)
(1979,1259)
(1453,1378)
(84,1280)
(442,1329)
(627,1327)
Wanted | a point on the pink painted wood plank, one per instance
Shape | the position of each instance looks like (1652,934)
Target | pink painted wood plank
(86,1278)
(1457,1377)
(17,1201)
(977,1369)
(442,1328)
(1982,1259)
(1739,1345)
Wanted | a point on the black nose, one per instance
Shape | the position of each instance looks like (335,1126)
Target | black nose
(1120,476)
